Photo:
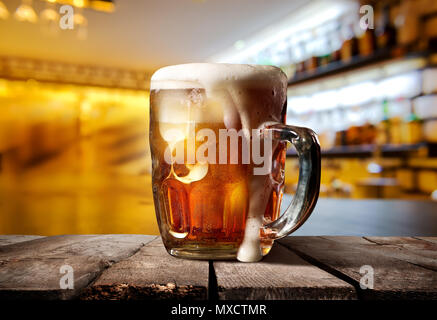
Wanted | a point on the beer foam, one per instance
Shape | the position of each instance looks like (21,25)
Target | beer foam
(242,108)
(208,75)
(226,83)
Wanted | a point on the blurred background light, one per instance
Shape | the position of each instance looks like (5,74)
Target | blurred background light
(25,12)
(4,12)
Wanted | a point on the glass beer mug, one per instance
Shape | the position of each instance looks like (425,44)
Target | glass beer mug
(218,141)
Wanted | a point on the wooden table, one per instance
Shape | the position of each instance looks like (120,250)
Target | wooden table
(138,267)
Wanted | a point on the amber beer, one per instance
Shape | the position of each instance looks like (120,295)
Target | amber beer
(210,209)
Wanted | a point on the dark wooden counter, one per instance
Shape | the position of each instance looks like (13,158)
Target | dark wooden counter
(138,267)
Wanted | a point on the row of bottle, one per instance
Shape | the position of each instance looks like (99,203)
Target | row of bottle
(393,122)
(397,27)
(389,131)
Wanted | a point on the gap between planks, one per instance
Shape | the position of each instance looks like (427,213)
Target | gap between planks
(30,269)
(417,251)
(404,267)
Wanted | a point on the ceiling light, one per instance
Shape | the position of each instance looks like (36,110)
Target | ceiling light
(48,15)
(25,12)
(102,5)
(4,13)
(79,3)
(49,19)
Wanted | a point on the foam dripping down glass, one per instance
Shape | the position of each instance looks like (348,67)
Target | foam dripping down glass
(218,141)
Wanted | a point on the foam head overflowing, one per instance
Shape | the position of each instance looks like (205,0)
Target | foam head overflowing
(238,95)
(204,75)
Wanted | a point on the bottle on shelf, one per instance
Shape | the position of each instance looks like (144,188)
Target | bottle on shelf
(325,55)
(412,128)
(368,133)
(349,48)
(339,126)
(299,52)
(383,127)
(311,63)
(395,127)
(407,23)
(300,67)
(325,48)
(335,42)
(385,30)
(366,42)
(430,30)
(353,135)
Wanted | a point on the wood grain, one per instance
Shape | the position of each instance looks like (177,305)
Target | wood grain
(11,239)
(151,274)
(31,269)
(280,275)
(415,251)
(394,276)
(138,267)
(428,239)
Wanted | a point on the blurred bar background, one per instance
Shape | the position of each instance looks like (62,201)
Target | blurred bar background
(74,155)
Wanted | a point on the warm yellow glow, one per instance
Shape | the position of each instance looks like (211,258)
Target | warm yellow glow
(79,3)
(75,159)
(41,102)
(80,20)
(99,5)
(102,5)
(4,13)
(25,12)
(49,15)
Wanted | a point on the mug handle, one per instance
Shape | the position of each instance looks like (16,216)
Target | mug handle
(308,150)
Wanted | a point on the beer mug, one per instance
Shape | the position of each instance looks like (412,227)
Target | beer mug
(218,142)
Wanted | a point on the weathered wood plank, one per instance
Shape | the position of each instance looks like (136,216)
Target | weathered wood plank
(428,239)
(31,269)
(416,251)
(405,242)
(348,239)
(280,275)
(6,240)
(408,249)
(394,278)
(151,274)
